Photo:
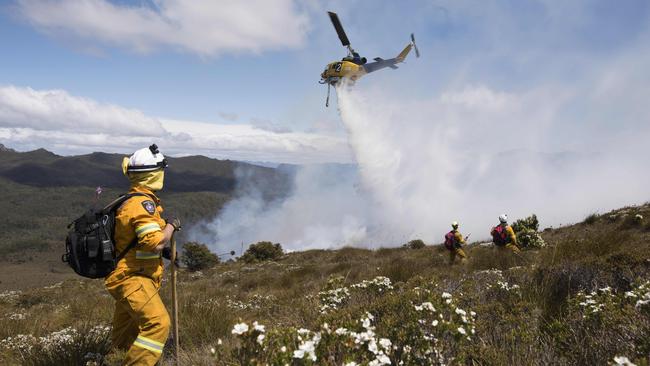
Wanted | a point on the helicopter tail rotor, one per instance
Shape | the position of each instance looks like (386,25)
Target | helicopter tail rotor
(417,52)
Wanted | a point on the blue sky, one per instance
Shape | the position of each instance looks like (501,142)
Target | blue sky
(157,63)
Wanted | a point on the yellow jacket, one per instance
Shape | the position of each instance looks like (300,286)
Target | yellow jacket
(459,237)
(139,217)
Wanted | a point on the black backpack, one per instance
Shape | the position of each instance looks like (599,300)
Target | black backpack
(90,244)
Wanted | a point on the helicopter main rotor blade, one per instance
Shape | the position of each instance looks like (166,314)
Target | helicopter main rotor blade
(339,28)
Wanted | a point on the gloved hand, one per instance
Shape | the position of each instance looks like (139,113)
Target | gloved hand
(175,222)
(167,254)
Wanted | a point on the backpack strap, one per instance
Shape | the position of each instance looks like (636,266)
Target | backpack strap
(135,241)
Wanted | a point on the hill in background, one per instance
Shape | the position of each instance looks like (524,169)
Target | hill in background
(43,192)
(41,168)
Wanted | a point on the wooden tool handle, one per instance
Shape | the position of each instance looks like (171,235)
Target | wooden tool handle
(174,300)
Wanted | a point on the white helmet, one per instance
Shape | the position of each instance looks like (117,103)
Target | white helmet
(146,160)
(454,225)
(503,218)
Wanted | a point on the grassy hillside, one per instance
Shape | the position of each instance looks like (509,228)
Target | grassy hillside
(582,300)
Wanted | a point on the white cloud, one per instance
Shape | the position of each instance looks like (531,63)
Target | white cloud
(67,124)
(56,110)
(203,27)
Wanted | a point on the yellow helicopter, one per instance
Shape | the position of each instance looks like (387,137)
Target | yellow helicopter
(353,66)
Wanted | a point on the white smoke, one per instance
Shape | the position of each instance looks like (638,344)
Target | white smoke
(467,155)
(472,154)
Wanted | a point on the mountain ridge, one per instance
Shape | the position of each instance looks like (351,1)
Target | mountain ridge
(195,173)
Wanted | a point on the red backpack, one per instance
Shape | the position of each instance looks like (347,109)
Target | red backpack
(500,235)
(450,240)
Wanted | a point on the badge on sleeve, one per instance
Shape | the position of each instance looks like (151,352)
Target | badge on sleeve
(149,206)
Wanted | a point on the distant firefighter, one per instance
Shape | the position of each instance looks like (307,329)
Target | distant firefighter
(453,242)
(503,236)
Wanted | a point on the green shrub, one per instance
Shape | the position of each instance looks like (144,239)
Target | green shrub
(631,222)
(591,219)
(530,223)
(197,256)
(530,239)
(526,231)
(262,251)
(415,244)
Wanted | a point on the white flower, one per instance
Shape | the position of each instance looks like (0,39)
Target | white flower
(258,327)
(341,331)
(260,339)
(212,350)
(460,311)
(386,343)
(461,330)
(219,342)
(446,295)
(240,328)
(351,363)
(623,361)
(434,323)
(303,331)
(383,359)
(426,306)
(372,347)
(305,348)
(283,349)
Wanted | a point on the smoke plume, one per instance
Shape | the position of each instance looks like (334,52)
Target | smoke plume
(466,155)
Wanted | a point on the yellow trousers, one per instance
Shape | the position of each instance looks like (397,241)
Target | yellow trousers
(457,252)
(513,247)
(140,322)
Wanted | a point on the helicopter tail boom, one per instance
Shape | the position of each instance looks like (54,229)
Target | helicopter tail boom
(402,55)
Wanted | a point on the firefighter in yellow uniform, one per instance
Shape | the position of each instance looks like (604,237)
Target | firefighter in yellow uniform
(140,322)
(453,242)
(503,236)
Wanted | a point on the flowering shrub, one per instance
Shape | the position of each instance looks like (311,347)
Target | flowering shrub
(527,232)
(530,239)
(529,223)
(419,326)
(593,316)
(66,346)
(9,296)
(255,302)
(333,298)
(377,285)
